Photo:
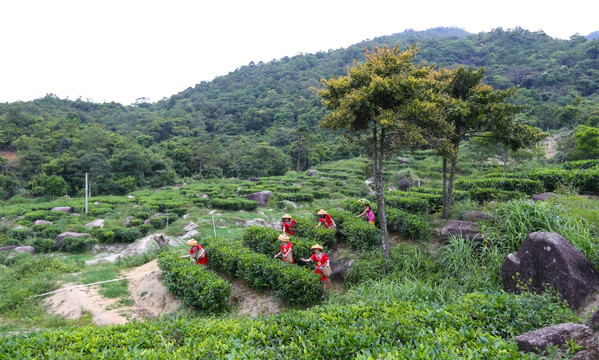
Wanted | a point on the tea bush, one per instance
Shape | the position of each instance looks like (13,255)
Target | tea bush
(298,285)
(197,286)
(489,194)
(234,204)
(44,215)
(416,227)
(526,186)
(477,326)
(75,245)
(305,228)
(580,164)
(413,202)
(296,197)
(360,234)
(43,245)
(46,231)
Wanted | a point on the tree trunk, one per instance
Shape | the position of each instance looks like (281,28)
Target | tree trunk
(299,153)
(377,161)
(447,210)
(446,204)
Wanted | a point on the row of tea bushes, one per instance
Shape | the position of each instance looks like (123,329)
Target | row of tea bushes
(234,204)
(477,326)
(197,286)
(356,232)
(526,186)
(295,284)
(265,241)
(413,226)
(585,180)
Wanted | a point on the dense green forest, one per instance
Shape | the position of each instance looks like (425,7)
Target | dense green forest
(262,119)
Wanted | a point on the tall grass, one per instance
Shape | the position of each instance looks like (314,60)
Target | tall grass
(518,218)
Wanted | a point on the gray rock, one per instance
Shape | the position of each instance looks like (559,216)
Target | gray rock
(543,196)
(21,249)
(261,197)
(98,222)
(339,267)
(404,184)
(42,222)
(205,196)
(66,209)
(131,197)
(254,179)
(403,160)
(474,215)
(190,226)
(460,228)
(594,321)
(153,216)
(391,188)
(191,234)
(538,340)
(60,237)
(547,258)
(128,219)
(311,172)
(289,203)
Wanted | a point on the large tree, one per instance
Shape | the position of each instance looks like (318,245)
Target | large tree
(371,101)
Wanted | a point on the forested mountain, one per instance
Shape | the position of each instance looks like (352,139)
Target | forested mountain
(261,119)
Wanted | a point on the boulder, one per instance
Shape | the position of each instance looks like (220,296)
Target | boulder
(538,340)
(289,204)
(254,179)
(403,160)
(339,267)
(60,237)
(21,249)
(261,197)
(42,222)
(460,228)
(66,209)
(131,197)
(404,184)
(128,219)
(97,222)
(205,196)
(311,172)
(191,234)
(547,258)
(190,226)
(474,215)
(391,188)
(543,196)
(594,321)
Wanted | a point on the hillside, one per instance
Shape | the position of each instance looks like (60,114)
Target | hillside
(269,111)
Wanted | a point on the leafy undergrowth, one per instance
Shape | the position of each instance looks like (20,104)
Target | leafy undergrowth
(477,325)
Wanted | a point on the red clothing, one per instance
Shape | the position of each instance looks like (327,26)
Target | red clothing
(198,247)
(328,220)
(287,227)
(319,263)
(285,248)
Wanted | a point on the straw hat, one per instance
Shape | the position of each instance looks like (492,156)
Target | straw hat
(284,238)
(321,212)
(192,242)
(316,246)
(286,216)
(364,202)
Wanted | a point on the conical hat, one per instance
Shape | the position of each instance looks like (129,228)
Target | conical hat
(284,238)
(321,212)
(286,216)
(316,246)
(192,242)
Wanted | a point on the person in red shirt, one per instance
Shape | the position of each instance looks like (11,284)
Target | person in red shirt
(286,248)
(326,219)
(196,252)
(288,223)
(322,261)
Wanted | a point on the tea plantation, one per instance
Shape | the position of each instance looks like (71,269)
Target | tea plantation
(432,299)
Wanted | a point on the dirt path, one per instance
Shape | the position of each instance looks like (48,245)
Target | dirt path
(150,299)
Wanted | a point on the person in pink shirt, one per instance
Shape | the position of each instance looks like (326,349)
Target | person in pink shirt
(367,213)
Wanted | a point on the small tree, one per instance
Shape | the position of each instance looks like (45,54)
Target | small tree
(473,109)
(371,101)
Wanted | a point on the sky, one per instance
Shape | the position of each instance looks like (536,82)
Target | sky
(124,50)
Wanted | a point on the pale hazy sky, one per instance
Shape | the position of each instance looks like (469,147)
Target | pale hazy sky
(121,50)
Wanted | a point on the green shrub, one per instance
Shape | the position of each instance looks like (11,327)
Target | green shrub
(103,235)
(124,235)
(305,228)
(580,164)
(296,197)
(416,227)
(44,215)
(298,285)
(134,222)
(43,245)
(75,244)
(19,235)
(158,222)
(234,204)
(46,231)
(489,194)
(201,202)
(194,284)
(144,229)
(360,234)
(412,202)
(526,186)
